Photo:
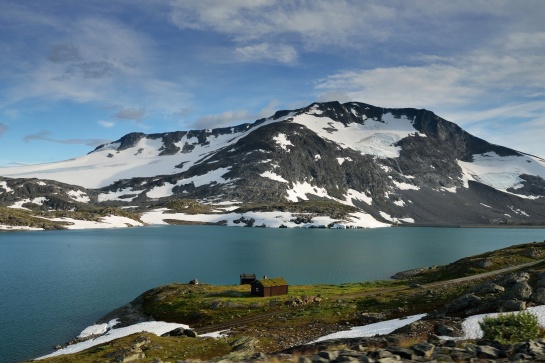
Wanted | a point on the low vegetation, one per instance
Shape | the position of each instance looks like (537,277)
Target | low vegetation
(511,328)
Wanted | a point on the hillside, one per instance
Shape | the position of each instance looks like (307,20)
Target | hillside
(378,166)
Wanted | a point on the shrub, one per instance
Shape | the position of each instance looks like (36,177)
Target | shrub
(511,328)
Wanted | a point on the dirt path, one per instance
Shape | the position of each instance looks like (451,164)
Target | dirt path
(257,317)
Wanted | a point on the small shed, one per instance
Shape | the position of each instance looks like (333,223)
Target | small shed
(270,287)
(247,279)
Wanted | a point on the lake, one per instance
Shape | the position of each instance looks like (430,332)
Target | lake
(53,284)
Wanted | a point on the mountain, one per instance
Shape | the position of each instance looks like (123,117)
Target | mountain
(326,164)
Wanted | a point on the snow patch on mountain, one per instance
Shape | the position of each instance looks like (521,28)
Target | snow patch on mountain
(501,172)
(354,194)
(273,176)
(128,195)
(104,222)
(405,186)
(300,191)
(79,196)
(5,186)
(282,141)
(377,138)
(260,219)
(19,204)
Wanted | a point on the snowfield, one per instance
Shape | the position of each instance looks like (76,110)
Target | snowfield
(268,219)
(501,172)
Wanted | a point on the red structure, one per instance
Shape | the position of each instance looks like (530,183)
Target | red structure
(269,287)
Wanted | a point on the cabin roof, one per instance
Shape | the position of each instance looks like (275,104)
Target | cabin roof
(277,281)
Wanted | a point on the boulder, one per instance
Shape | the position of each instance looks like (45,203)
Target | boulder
(424,349)
(448,331)
(464,302)
(488,288)
(514,278)
(487,352)
(484,263)
(538,296)
(519,291)
(513,305)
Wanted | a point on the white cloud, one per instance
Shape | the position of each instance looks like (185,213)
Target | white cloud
(106,124)
(132,114)
(267,52)
(3,129)
(234,118)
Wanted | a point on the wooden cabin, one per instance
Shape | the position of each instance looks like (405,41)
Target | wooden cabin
(269,287)
(247,279)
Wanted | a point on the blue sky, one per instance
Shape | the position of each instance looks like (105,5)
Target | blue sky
(75,74)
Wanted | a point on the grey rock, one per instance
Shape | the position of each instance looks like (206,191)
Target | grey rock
(513,305)
(488,288)
(538,296)
(424,349)
(448,331)
(402,352)
(519,291)
(487,352)
(484,263)
(464,302)
(329,355)
(304,360)
(513,278)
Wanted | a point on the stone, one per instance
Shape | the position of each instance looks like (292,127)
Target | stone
(487,352)
(488,288)
(484,263)
(424,349)
(442,358)
(538,296)
(194,282)
(448,331)
(464,302)
(329,355)
(513,305)
(304,360)
(513,278)
(402,352)
(519,291)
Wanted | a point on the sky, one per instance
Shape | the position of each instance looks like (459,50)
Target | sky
(76,74)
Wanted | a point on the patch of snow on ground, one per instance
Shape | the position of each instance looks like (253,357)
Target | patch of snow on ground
(4,185)
(213,176)
(364,220)
(373,137)
(399,203)
(518,211)
(484,205)
(317,157)
(269,219)
(273,176)
(450,190)
(105,222)
(354,194)
(19,204)
(282,141)
(405,186)
(342,160)
(79,196)
(104,197)
(155,327)
(4,227)
(98,329)
(41,183)
(369,330)
(501,172)
(161,191)
(216,334)
(300,191)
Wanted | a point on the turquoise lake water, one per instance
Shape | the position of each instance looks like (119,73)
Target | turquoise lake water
(53,284)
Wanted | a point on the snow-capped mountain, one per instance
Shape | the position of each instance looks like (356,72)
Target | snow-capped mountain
(390,165)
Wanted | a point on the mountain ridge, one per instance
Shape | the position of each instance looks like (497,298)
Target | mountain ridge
(395,165)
